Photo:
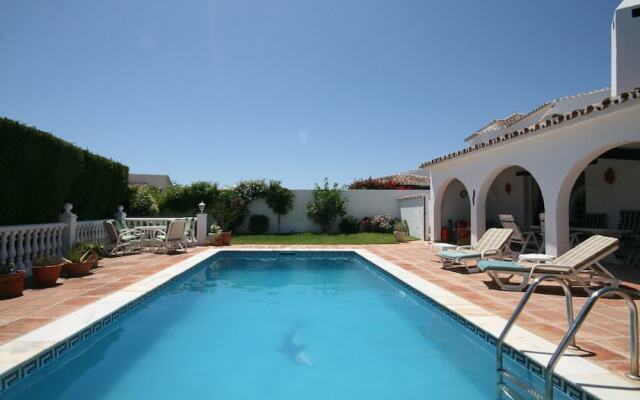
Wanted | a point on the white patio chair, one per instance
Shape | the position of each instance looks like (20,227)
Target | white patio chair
(122,241)
(527,241)
(173,238)
(190,231)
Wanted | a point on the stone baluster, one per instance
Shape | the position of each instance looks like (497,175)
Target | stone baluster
(27,248)
(42,249)
(47,242)
(12,248)
(19,249)
(3,248)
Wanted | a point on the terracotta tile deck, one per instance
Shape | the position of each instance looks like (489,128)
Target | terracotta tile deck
(604,336)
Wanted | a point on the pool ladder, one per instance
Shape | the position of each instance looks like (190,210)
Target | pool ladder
(569,339)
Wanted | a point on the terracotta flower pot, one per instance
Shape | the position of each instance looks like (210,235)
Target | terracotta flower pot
(400,236)
(46,276)
(226,238)
(78,269)
(11,285)
(218,241)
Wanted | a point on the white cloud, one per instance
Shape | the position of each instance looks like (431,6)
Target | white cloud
(303,136)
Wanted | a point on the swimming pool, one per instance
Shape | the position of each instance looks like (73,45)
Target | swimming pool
(258,325)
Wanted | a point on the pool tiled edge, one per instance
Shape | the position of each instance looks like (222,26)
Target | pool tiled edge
(575,375)
(23,356)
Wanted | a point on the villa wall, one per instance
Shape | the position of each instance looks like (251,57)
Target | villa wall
(555,157)
(360,204)
(622,194)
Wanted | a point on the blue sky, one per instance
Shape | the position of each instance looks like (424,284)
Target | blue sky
(290,90)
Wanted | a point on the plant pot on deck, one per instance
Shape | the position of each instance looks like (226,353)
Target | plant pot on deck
(78,269)
(226,238)
(46,275)
(11,284)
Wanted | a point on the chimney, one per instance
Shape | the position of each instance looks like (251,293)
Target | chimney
(625,47)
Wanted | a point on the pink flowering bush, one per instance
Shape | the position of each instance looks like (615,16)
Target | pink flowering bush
(378,223)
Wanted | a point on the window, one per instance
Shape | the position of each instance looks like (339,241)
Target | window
(635,12)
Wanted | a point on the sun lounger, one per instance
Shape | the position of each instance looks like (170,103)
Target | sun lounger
(491,244)
(580,265)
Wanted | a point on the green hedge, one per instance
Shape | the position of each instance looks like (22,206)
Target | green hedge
(40,172)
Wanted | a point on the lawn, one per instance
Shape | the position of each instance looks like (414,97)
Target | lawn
(317,238)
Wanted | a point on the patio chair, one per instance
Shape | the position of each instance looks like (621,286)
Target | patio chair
(541,233)
(580,265)
(173,238)
(591,220)
(525,240)
(491,244)
(122,241)
(190,231)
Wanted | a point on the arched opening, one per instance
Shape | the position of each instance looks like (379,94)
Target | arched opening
(514,200)
(605,200)
(455,214)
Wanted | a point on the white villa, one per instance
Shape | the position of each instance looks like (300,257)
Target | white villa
(576,159)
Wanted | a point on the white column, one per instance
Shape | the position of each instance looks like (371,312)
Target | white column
(69,234)
(556,216)
(201,228)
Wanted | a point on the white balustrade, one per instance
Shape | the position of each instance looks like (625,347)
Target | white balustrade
(134,222)
(91,231)
(21,244)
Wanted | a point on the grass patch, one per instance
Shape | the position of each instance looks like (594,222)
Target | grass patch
(317,238)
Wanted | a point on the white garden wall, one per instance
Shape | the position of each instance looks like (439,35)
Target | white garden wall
(360,204)
(412,210)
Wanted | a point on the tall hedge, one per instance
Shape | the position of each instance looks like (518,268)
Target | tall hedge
(40,172)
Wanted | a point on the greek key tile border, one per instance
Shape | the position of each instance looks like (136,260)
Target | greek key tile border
(28,368)
(571,390)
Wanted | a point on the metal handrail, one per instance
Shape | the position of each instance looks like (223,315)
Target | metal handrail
(516,313)
(570,335)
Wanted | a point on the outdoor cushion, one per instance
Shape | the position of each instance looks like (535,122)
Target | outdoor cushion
(129,237)
(458,255)
(499,265)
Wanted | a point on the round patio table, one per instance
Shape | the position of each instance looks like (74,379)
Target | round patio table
(149,232)
(441,247)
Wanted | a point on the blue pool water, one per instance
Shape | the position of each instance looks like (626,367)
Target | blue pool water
(254,327)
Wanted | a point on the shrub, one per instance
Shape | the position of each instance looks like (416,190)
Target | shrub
(378,223)
(349,224)
(250,190)
(279,199)
(142,202)
(185,198)
(326,206)
(40,172)
(229,209)
(258,224)
(401,226)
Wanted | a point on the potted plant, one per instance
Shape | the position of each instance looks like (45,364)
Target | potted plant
(79,261)
(46,271)
(229,211)
(97,249)
(215,235)
(400,230)
(11,281)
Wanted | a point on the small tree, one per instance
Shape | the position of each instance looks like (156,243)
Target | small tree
(229,209)
(142,202)
(279,199)
(327,205)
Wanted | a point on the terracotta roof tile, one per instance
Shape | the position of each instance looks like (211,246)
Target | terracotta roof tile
(552,120)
